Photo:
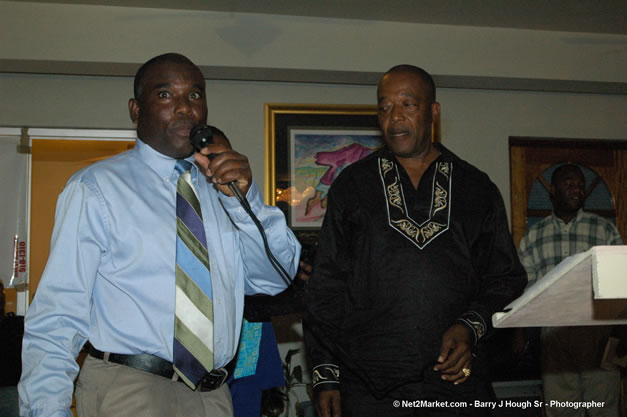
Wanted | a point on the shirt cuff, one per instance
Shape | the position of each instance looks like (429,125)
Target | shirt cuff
(42,412)
(235,209)
(475,323)
(326,377)
(62,413)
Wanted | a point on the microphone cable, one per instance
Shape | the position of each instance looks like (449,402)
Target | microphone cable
(201,136)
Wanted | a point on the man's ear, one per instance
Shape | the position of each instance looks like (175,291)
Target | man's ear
(552,191)
(133,110)
(435,112)
(435,118)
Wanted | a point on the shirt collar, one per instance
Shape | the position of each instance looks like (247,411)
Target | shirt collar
(561,222)
(445,154)
(162,164)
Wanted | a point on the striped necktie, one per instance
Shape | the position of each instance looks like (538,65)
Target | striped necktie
(193,324)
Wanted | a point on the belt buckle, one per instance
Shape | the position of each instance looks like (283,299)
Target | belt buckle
(213,380)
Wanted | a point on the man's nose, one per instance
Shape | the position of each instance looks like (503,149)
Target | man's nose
(397,113)
(183,106)
(577,187)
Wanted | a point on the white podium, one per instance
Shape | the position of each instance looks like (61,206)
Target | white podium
(589,288)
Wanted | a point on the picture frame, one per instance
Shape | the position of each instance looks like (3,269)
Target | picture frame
(298,133)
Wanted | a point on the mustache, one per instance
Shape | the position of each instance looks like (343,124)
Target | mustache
(183,123)
(395,131)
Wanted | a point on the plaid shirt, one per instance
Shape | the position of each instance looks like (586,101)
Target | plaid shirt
(551,240)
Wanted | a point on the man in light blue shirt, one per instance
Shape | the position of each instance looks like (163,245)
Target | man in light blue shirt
(110,275)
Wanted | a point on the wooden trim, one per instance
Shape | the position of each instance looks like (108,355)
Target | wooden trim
(543,142)
(518,194)
(530,156)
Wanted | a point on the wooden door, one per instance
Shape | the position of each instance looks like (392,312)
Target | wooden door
(53,162)
(604,163)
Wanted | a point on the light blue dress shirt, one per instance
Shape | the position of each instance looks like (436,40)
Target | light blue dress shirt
(110,274)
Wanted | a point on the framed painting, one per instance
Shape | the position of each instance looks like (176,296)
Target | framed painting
(307,146)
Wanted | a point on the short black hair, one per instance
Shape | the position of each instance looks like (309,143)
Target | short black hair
(562,168)
(173,57)
(422,74)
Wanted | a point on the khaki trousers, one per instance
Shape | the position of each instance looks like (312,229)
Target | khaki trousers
(571,374)
(113,390)
(597,387)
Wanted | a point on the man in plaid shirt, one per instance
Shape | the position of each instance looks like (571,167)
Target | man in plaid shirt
(571,355)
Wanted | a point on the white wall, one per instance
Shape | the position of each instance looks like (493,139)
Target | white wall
(476,124)
(83,33)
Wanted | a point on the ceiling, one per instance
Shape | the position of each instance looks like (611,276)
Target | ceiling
(594,16)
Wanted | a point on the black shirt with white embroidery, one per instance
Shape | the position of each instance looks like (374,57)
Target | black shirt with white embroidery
(396,267)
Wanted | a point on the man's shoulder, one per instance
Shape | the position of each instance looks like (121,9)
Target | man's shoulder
(368,160)
(116,164)
(465,169)
(594,219)
(590,216)
(540,225)
(360,168)
(536,230)
(544,222)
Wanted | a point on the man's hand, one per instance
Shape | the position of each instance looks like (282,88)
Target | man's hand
(328,403)
(224,166)
(455,354)
(304,271)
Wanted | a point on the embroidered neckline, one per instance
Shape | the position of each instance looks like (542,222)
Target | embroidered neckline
(420,234)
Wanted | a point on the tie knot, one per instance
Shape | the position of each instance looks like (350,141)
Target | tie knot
(182,166)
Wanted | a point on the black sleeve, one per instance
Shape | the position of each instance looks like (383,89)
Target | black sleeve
(501,277)
(325,294)
(259,308)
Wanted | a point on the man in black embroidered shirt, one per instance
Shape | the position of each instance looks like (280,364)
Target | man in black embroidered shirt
(415,256)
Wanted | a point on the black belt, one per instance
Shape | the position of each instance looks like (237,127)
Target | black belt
(155,365)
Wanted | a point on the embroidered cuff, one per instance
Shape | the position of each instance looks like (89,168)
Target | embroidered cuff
(475,322)
(326,376)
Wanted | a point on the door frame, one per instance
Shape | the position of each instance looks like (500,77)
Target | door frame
(23,297)
(522,179)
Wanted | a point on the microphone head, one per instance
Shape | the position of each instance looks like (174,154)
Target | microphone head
(201,136)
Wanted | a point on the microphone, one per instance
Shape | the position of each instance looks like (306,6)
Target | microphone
(201,136)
